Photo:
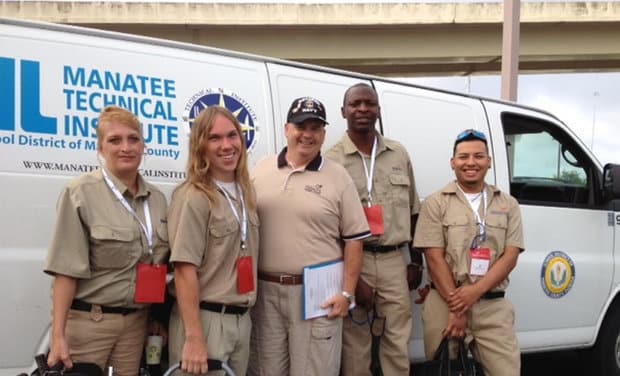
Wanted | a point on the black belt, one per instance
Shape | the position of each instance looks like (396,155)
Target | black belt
(80,305)
(382,248)
(493,295)
(487,295)
(221,308)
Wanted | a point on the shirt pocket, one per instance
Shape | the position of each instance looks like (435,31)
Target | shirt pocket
(111,246)
(161,247)
(458,232)
(399,185)
(224,238)
(496,226)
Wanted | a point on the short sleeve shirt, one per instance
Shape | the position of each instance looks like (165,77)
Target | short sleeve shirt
(393,185)
(306,214)
(447,221)
(208,236)
(98,242)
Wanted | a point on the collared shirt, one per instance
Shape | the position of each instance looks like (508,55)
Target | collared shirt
(393,185)
(98,242)
(208,236)
(447,221)
(305,213)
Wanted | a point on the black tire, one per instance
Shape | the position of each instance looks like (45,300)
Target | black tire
(605,355)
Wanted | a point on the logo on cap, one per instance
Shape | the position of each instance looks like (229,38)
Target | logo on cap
(306,108)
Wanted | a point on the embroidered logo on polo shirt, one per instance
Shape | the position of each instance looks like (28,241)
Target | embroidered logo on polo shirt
(314,188)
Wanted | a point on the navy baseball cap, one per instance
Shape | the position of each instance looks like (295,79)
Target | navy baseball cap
(306,108)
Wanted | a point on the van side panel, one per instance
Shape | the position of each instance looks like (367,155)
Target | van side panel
(289,83)
(427,123)
(54,84)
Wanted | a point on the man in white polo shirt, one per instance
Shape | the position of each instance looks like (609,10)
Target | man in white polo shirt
(310,213)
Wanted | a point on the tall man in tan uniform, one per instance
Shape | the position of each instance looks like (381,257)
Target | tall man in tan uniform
(383,176)
(308,209)
(472,236)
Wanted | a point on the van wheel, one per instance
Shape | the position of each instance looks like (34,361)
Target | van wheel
(605,356)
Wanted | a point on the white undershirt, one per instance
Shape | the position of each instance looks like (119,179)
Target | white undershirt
(230,188)
(474,199)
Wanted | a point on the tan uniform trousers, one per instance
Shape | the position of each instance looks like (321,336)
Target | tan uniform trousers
(490,333)
(284,344)
(116,340)
(227,336)
(386,273)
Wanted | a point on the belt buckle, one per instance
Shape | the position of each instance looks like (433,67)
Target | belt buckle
(283,278)
(96,313)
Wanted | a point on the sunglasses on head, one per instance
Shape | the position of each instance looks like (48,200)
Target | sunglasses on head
(471,134)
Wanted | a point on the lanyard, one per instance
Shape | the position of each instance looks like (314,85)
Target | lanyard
(475,210)
(148,228)
(371,173)
(243,222)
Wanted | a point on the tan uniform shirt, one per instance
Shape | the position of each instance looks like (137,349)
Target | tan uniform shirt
(209,237)
(305,214)
(447,221)
(98,241)
(393,185)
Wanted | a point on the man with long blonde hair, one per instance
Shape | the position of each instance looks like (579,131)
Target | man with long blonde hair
(213,227)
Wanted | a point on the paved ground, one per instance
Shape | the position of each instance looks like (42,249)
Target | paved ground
(565,363)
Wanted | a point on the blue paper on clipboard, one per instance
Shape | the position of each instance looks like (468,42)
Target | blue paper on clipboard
(321,282)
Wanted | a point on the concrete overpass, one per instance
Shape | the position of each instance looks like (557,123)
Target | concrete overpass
(386,39)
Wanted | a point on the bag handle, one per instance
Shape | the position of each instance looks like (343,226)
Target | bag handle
(443,356)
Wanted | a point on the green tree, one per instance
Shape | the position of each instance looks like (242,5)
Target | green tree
(572,177)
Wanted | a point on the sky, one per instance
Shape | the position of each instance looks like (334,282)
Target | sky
(589,103)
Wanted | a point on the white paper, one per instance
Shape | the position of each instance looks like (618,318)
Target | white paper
(321,282)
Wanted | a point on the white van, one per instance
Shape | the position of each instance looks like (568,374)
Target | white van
(54,80)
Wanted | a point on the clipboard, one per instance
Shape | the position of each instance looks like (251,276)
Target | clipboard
(321,282)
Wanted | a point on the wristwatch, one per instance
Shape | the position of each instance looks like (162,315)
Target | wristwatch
(350,298)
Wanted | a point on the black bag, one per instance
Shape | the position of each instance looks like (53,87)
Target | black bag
(79,369)
(441,365)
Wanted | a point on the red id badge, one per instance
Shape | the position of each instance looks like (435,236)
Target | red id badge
(245,275)
(480,260)
(151,283)
(374,216)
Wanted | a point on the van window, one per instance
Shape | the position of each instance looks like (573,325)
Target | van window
(546,166)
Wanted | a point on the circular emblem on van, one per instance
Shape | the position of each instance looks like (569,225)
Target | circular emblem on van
(557,274)
(232,102)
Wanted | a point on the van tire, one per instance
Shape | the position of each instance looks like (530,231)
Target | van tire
(605,355)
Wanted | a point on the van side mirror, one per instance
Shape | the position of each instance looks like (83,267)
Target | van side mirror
(611,181)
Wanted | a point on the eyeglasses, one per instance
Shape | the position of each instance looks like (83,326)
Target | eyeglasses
(471,134)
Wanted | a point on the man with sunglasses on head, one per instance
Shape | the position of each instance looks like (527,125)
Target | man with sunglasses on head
(472,235)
